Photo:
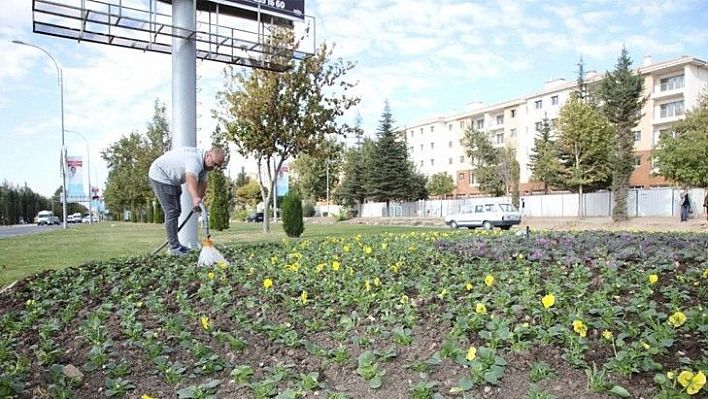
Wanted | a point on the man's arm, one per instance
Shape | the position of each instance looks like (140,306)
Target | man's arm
(195,190)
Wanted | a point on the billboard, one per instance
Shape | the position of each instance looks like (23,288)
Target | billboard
(281,9)
(281,184)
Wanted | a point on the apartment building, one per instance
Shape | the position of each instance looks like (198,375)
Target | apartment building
(435,145)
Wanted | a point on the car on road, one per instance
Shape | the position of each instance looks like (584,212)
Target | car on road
(47,217)
(87,220)
(485,215)
(255,217)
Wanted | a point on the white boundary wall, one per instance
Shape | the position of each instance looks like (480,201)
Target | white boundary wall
(662,202)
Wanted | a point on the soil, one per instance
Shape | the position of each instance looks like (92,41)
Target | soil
(261,354)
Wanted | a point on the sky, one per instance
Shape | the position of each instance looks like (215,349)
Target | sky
(427,58)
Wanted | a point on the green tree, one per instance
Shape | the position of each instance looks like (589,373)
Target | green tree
(314,171)
(248,195)
(388,173)
(293,223)
(485,161)
(219,187)
(682,157)
(274,116)
(584,145)
(441,184)
(350,192)
(128,161)
(622,102)
(544,161)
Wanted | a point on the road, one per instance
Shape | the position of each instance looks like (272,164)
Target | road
(21,229)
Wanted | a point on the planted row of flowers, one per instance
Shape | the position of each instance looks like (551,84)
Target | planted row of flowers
(285,320)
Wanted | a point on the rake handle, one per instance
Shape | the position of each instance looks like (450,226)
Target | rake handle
(164,244)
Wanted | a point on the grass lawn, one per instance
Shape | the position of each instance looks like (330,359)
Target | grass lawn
(55,249)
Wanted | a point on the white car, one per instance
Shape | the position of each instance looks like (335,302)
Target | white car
(87,220)
(486,215)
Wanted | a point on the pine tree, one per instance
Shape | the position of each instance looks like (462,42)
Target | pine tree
(219,188)
(622,102)
(544,161)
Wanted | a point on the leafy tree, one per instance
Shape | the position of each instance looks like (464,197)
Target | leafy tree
(584,145)
(274,116)
(388,173)
(682,157)
(622,102)
(314,171)
(248,195)
(128,161)
(544,161)
(441,184)
(485,159)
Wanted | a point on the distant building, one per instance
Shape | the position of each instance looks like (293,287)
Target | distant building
(435,145)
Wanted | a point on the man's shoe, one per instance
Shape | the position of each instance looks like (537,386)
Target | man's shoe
(179,251)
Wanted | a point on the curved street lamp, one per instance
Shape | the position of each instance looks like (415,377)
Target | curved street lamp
(63,149)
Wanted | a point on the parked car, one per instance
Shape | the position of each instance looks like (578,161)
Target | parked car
(255,217)
(487,215)
(87,220)
(74,218)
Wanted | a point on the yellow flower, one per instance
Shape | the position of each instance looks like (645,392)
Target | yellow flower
(670,375)
(404,299)
(367,249)
(692,382)
(335,265)
(580,328)
(267,283)
(146,397)
(367,285)
(645,345)
(303,297)
(653,278)
(520,256)
(607,334)
(548,301)
(705,273)
(205,322)
(346,248)
(442,293)
(384,245)
(377,281)
(677,319)
(210,275)
(468,286)
(489,280)
(480,308)
(222,265)
(471,353)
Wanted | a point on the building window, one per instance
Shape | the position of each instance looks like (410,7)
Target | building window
(538,104)
(462,124)
(461,177)
(412,133)
(671,83)
(500,138)
(421,164)
(554,100)
(669,110)
(637,135)
(421,147)
(449,161)
(432,129)
(539,126)
(513,133)
(637,161)
(410,149)
(480,124)
(462,159)
(421,130)
(449,144)
(432,162)
(449,126)
(432,146)
(513,113)
(500,119)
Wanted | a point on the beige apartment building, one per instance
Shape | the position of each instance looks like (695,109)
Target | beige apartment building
(434,145)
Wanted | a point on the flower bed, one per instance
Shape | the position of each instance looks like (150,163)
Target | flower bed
(420,315)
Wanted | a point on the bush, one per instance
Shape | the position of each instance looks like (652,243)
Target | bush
(308,209)
(293,223)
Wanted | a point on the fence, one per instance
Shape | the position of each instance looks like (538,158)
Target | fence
(656,202)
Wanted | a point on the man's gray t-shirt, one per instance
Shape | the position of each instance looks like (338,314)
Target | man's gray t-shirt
(172,167)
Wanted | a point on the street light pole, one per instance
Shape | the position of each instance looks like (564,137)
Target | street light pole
(63,149)
(88,170)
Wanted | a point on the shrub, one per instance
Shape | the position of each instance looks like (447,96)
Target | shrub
(308,209)
(293,223)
